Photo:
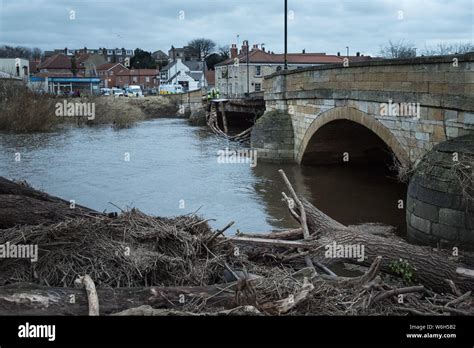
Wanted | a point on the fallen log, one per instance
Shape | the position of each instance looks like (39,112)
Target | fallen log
(430,268)
(32,299)
(20,204)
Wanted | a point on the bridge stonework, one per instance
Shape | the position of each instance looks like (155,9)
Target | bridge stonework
(316,96)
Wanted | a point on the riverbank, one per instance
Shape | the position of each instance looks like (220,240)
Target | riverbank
(145,265)
(23,111)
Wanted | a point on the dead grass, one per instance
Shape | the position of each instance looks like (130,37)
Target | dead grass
(22,111)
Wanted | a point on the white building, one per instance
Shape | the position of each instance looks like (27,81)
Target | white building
(15,68)
(189,74)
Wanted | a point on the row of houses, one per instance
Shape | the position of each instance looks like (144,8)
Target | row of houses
(241,73)
(179,66)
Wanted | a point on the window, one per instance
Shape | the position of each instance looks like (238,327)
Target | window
(109,59)
(147,79)
(118,52)
(258,87)
(120,59)
(111,73)
(110,52)
(134,79)
(236,71)
(258,70)
(129,53)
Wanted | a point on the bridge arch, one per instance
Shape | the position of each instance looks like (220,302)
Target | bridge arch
(361,121)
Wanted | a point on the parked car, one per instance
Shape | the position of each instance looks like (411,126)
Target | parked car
(105,91)
(117,92)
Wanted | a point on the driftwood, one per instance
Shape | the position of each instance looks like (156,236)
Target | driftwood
(31,299)
(213,124)
(22,205)
(431,268)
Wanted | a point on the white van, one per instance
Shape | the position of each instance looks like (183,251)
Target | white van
(134,91)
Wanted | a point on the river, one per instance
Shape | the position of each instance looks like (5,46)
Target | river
(166,167)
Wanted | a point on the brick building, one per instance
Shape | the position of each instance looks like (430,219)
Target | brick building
(146,78)
(108,74)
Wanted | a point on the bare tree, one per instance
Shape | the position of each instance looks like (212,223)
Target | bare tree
(224,51)
(20,52)
(400,49)
(203,46)
(443,49)
(36,53)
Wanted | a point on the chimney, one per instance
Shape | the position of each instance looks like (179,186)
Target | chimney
(338,54)
(263,48)
(245,47)
(304,51)
(255,47)
(233,51)
(65,51)
(358,54)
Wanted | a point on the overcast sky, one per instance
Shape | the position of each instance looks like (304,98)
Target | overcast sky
(315,25)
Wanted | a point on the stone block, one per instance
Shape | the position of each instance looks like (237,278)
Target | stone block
(420,224)
(468,118)
(450,115)
(426,211)
(435,114)
(452,132)
(445,232)
(452,217)
(422,136)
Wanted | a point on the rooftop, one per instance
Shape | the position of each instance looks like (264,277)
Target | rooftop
(259,56)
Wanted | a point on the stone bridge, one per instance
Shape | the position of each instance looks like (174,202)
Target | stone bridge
(365,111)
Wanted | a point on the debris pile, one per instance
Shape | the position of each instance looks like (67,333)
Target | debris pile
(135,264)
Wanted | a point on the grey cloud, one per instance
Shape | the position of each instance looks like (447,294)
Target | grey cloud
(318,25)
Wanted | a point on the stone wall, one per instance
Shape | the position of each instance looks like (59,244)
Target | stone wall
(188,103)
(440,205)
(442,86)
(272,137)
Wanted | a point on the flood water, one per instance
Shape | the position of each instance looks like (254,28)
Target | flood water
(166,167)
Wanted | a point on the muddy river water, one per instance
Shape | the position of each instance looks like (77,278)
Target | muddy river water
(166,167)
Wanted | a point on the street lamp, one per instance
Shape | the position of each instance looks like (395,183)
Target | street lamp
(286,34)
(248,69)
